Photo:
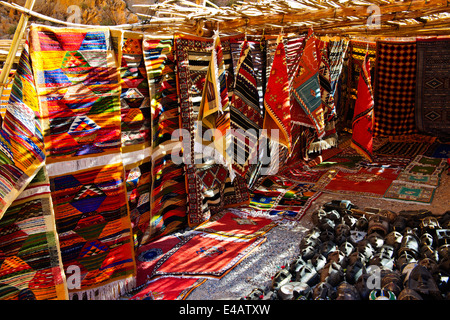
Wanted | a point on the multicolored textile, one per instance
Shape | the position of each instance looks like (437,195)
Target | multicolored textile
(306,88)
(135,128)
(78,85)
(205,255)
(371,182)
(403,191)
(21,141)
(276,100)
(6,93)
(236,224)
(432,101)
(30,261)
(395,84)
(148,254)
(246,115)
(424,171)
(278,196)
(407,146)
(168,288)
(168,191)
(356,53)
(362,124)
(193,55)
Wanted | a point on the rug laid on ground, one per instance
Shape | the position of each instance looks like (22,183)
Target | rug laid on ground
(395,84)
(410,192)
(432,103)
(205,183)
(168,191)
(168,288)
(407,146)
(370,182)
(278,196)
(21,142)
(135,128)
(78,85)
(423,171)
(204,255)
(30,262)
(148,254)
(236,224)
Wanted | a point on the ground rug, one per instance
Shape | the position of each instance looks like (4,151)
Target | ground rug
(168,288)
(204,255)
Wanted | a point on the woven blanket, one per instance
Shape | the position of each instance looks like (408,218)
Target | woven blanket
(21,142)
(204,255)
(168,288)
(408,146)
(355,55)
(78,85)
(147,255)
(432,100)
(168,191)
(192,56)
(236,224)
(30,264)
(395,84)
(423,171)
(306,88)
(362,123)
(410,192)
(246,115)
(277,196)
(370,182)
(276,100)
(135,128)
(6,93)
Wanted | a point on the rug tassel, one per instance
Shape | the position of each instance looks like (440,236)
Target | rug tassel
(110,291)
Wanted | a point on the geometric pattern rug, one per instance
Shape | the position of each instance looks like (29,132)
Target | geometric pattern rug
(203,255)
(168,288)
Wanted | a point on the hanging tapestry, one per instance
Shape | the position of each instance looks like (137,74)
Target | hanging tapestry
(21,141)
(168,191)
(395,84)
(204,255)
(168,288)
(306,88)
(356,53)
(236,224)
(147,255)
(31,266)
(202,181)
(432,100)
(276,100)
(246,115)
(362,124)
(337,51)
(135,128)
(370,182)
(78,85)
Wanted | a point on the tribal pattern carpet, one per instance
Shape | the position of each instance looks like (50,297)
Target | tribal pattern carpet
(395,84)
(432,100)
(78,85)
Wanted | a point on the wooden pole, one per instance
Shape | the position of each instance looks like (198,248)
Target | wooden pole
(18,35)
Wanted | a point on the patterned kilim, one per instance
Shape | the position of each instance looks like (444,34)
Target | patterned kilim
(306,88)
(168,192)
(407,146)
(370,182)
(30,265)
(135,128)
(168,288)
(236,224)
(276,100)
(193,55)
(432,102)
(423,171)
(362,124)
(395,84)
(355,55)
(78,85)
(205,255)
(278,196)
(21,142)
(410,192)
(246,115)
(148,254)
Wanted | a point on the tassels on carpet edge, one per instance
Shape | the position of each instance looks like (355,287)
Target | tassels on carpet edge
(110,291)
